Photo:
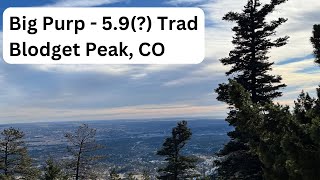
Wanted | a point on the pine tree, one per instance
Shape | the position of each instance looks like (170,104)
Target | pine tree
(53,171)
(14,158)
(289,143)
(249,67)
(269,124)
(178,165)
(315,39)
(82,147)
(301,143)
(249,60)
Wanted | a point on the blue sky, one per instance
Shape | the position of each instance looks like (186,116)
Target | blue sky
(33,93)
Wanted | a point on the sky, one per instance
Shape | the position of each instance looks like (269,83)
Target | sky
(40,93)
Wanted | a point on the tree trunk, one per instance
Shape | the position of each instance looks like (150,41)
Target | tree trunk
(6,160)
(175,177)
(78,163)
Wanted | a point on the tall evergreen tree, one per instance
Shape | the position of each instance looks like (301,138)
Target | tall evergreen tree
(268,123)
(14,158)
(301,143)
(178,166)
(82,146)
(250,64)
(249,60)
(287,143)
(315,39)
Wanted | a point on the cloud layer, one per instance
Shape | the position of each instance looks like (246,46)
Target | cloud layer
(130,112)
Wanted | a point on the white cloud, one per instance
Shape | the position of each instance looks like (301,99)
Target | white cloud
(138,76)
(301,17)
(2,75)
(82,3)
(101,69)
(297,77)
(301,14)
(30,114)
(210,70)
(135,71)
